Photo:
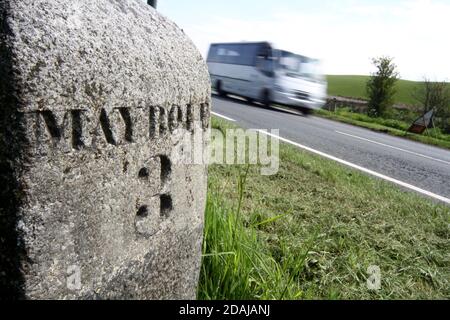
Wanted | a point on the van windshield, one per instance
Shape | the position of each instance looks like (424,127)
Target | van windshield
(297,66)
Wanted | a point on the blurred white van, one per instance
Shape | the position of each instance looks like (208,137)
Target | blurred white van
(259,72)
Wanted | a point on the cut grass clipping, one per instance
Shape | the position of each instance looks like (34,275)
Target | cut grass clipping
(313,230)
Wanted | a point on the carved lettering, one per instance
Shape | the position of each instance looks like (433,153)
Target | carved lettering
(153,211)
(154,122)
(205,115)
(78,129)
(163,121)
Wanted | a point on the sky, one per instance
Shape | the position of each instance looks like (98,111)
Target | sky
(344,34)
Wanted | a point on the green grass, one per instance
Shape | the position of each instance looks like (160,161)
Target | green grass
(355,86)
(312,230)
(390,126)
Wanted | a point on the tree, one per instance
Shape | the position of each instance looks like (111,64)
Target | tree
(432,95)
(435,95)
(381,86)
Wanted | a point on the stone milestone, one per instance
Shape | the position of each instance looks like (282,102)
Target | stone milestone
(95,96)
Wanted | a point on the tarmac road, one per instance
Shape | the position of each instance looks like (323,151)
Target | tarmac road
(419,167)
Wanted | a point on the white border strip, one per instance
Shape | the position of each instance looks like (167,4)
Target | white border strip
(223,117)
(354,166)
(392,147)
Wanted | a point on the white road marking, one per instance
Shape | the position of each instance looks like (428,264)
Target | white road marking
(392,147)
(368,171)
(224,117)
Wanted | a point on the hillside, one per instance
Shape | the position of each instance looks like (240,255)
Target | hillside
(355,86)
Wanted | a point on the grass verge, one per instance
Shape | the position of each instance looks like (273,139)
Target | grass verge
(389,126)
(312,230)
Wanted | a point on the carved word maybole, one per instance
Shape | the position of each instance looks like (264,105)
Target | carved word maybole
(78,129)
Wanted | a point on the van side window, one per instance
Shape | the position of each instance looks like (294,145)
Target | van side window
(239,54)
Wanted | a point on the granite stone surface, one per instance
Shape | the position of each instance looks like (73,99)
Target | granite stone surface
(95,96)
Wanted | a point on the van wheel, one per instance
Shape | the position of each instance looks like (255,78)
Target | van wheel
(220,90)
(266,99)
(306,111)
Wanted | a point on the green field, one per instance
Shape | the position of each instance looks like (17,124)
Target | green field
(355,86)
(313,230)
